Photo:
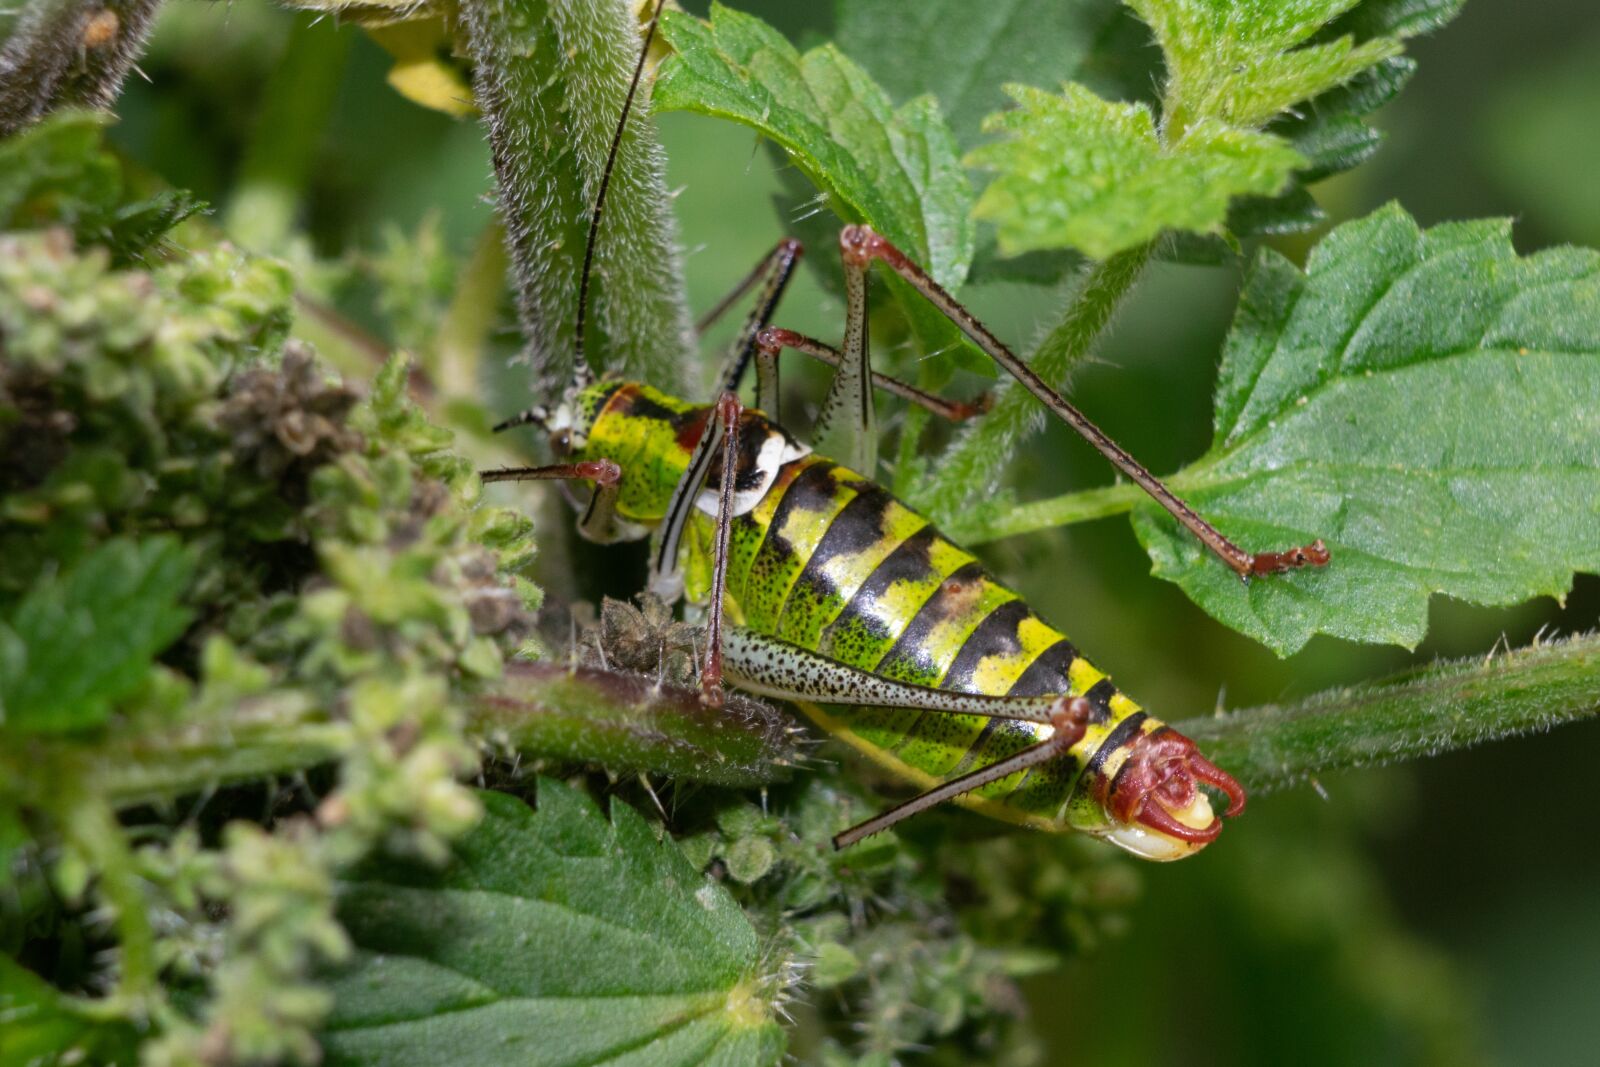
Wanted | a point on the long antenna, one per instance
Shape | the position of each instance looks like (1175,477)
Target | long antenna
(581,371)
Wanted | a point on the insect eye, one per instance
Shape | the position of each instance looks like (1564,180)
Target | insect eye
(563,440)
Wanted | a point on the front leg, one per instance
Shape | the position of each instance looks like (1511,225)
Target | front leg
(728,413)
(599,523)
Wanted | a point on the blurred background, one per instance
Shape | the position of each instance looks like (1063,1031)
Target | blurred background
(1446,912)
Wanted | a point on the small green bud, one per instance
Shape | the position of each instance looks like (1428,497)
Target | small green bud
(834,965)
(749,859)
(699,848)
(739,820)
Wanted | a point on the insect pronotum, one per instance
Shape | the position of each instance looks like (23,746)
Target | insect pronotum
(823,589)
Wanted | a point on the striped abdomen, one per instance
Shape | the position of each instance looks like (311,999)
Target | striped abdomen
(833,562)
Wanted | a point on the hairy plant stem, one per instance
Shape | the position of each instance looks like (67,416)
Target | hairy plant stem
(154,768)
(538,711)
(550,77)
(975,461)
(65,53)
(1418,713)
(629,722)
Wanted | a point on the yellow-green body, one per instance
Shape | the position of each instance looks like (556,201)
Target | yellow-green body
(828,560)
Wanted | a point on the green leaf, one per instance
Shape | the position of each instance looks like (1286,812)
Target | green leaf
(44,1026)
(554,938)
(1426,402)
(1243,62)
(1397,18)
(895,169)
(59,173)
(1082,172)
(79,642)
(1077,171)
(961,51)
(56,170)
(136,227)
(1330,131)
(909,46)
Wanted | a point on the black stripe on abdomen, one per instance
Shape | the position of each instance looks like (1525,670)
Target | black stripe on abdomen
(854,530)
(996,635)
(1099,698)
(1049,673)
(910,659)
(859,623)
(1119,736)
(813,489)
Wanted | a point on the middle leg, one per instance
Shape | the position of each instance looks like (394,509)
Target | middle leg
(773,340)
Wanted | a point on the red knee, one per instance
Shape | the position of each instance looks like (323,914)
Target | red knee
(1313,555)
(603,472)
(774,339)
(729,409)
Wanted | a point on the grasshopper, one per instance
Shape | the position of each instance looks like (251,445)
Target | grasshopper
(823,589)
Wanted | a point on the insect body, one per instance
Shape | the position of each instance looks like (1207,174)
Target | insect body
(825,560)
(840,598)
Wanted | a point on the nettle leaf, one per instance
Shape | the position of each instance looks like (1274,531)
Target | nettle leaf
(1331,132)
(959,51)
(57,169)
(1426,402)
(1078,171)
(1397,18)
(1330,129)
(1244,61)
(952,49)
(1082,172)
(554,938)
(60,173)
(79,642)
(897,169)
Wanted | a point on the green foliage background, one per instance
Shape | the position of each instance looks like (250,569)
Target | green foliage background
(1438,913)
